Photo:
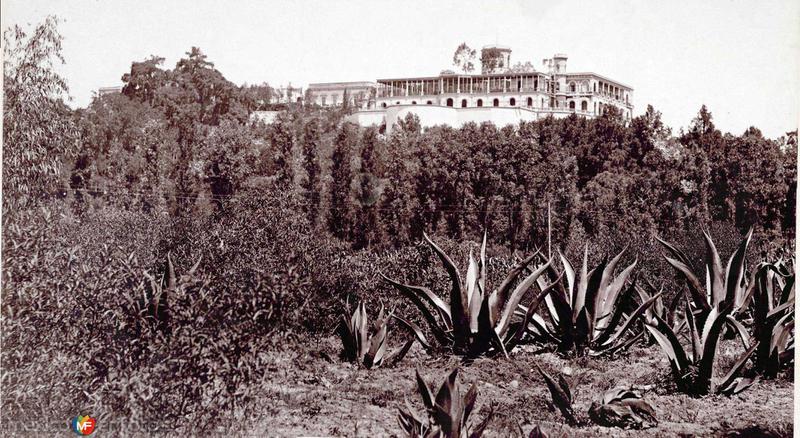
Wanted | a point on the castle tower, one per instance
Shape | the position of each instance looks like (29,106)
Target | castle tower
(560,63)
(495,59)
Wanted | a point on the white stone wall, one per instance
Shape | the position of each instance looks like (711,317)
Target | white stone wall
(539,100)
(335,97)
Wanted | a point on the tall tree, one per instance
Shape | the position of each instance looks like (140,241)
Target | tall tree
(145,79)
(397,201)
(340,217)
(38,130)
(311,184)
(282,143)
(369,190)
(226,154)
(464,58)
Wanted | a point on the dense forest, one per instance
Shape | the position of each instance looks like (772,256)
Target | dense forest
(181,142)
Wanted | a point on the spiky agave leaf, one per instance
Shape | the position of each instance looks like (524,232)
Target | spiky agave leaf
(420,336)
(666,338)
(610,286)
(360,323)
(579,297)
(377,347)
(607,339)
(695,289)
(729,384)
(513,340)
(448,406)
(560,393)
(740,330)
(416,294)
(508,307)
(449,411)
(711,331)
(735,271)
(499,296)
(474,293)
(715,284)
(536,432)
(621,407)
(458,299)
(399,354)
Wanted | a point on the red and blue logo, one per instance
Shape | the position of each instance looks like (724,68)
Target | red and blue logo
(83,424)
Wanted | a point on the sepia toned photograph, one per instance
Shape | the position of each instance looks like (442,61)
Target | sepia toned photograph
(441,219)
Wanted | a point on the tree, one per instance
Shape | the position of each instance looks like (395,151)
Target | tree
(491,58)
(340,217)
(311,184)
(282,142)
(522,68)
(38,130)
(125,145)
(369,190)
(464,58)
(397,200)
(226,155)
(144,79)
(257,97)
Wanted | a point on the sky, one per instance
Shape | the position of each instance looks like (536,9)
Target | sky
(740,58)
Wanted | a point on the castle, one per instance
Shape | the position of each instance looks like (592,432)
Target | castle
(500,93)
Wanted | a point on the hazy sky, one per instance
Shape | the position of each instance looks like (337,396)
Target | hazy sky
(740,58)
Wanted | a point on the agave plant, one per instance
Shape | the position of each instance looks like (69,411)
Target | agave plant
(623,407)
(666,313)
(727,286)
(156,301)
(362,347)
(773,317)
(447,414)
(694,372)
(561,393)
(585,314)
(475,322)
(536,432)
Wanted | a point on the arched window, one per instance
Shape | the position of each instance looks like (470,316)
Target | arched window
(430,103)
(595,87)
(572,87)
(413,102)
(449,102)
(512,102)
(480,102)
(397,103)
(496,102)
(383,105)
(324,98)
(584,106)
(463,103)
(530,101)
(572,104)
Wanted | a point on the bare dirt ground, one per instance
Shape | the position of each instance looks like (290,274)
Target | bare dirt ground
(312,393)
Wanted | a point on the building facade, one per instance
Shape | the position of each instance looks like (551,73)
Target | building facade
(288,94)
(521,91)
(102,91)
(358,94)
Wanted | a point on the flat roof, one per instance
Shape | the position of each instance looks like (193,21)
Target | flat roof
(421,78)
(342,84)
(493,75)
(588,73)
